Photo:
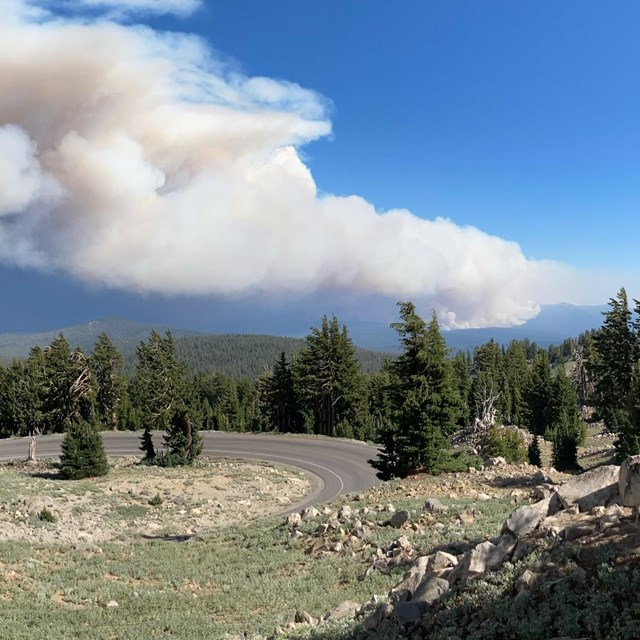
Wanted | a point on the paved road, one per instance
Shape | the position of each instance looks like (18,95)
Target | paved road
(336,466)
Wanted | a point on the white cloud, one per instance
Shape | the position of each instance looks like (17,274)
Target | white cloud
(180,176)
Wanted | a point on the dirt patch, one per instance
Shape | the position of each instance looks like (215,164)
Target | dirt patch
(140,501)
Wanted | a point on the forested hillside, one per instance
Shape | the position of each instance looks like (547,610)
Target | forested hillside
(414,406)
(239,355)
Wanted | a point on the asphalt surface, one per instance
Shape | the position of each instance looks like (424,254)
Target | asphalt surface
(335,466)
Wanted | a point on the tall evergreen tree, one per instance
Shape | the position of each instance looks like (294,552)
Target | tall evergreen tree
(424,406)
(106,362)
(280,399)
(538,394)
(566,429)
(164,399)
(328,377)
(613,364)
(69,395)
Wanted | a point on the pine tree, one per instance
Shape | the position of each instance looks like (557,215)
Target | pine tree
(106,362)
(424,406)
(328,377)
(82,452)
(69,394)
(147,446)
(534,454)
(614,359)
(280,400)
(538,394)
(613,364)
(567,431)
(165,402)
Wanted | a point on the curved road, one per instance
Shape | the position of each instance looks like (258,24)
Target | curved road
(336,466)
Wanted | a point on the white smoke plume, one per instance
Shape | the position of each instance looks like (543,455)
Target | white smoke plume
(138,160)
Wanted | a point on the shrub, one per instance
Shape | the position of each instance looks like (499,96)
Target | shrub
(83,453)
(46,516)
(156,501)
(508,443)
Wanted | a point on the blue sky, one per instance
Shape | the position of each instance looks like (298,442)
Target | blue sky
(520,119)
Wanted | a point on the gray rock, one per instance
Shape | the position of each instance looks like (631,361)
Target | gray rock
(484,557)
(410,612)
(322,529)
(540,493)
(294,519)
(412,579)
(430,589)
(309,513)
(525,519)
(440,561)
(346,609)
(433,505)
(629,482)
(578,531)
(496,462)
(345,511)
(399,518)
(302,617)
(526,581)
(593,488)
(375,619)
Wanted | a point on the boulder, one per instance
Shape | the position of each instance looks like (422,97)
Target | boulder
(412,578)
(410,612)
(430,590)
(433,505)
(440,561)
(525,519)
(375,619)
(346,609)
(399,518)
(593,488)
(629,482)
(484,557)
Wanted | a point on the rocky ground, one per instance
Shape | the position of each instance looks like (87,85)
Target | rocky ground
(565,564)
(138,500)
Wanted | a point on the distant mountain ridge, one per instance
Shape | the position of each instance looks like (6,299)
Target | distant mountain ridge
(125,334)
(553,324)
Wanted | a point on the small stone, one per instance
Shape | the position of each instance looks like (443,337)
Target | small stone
(296,534)
(309,513)
(390,508)
(112,604)
(303,617)
(345,512)
(483,497)
(322,529)
(294,519)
